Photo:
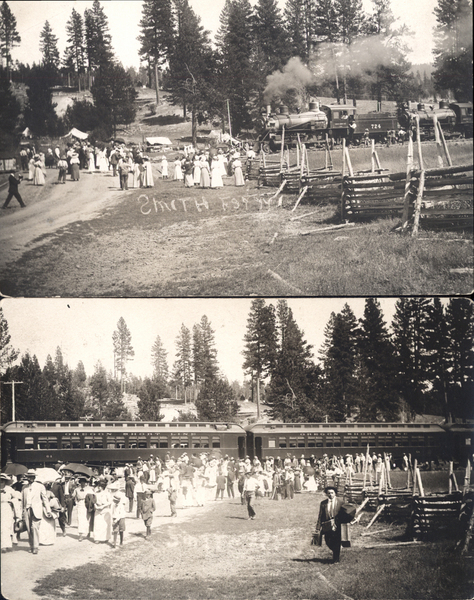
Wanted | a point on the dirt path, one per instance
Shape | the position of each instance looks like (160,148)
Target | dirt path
(20,570)
(51,207)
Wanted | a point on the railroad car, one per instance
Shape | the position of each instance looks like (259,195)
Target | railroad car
(423,441)
(97,442)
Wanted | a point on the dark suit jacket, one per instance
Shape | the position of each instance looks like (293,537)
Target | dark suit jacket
(58,490)
(324,512)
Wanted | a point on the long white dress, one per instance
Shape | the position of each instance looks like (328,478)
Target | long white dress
(197,171)
(102,162)
(136,176)
(38,177)
(216,174)
(147,175)
(47,531)
(7,515)
(164,167)
(178,172)
(239,176)
(103,517)
(82,514)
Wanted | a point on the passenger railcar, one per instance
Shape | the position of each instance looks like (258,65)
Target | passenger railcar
(98,442)
(422,441)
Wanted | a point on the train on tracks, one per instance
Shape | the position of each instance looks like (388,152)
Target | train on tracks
(339,121)
(35,443)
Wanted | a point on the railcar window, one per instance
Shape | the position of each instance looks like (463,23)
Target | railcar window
(311,441)
(333,441)
(164,442)
(66,443)
(29,443)
(301,442)
(132,441)
(271,442)
(292,442)
(216,442)
(351,440)
(52,443)
(367,438)
(282,442)
(98,442)
(42,443)
(179,441)
(142,443)
(417,440)
(384,440)
(88,442)
(76,442)
(401,439)
(201,441)
(154,441)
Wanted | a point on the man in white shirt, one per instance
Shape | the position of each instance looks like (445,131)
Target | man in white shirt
(328,522)
(34,502)
(251,486)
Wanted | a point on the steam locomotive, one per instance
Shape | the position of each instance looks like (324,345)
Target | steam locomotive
(336,120)
(455,118)
(343,121)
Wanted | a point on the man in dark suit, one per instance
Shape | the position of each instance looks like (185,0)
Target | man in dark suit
(328,523)
(68,486)
(58,490)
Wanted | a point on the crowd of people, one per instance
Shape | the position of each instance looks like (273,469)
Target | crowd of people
(104,500)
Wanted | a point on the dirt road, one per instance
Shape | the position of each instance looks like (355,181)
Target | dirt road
(51,207)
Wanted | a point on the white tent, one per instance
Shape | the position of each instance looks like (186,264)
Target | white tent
(27,133)
(77,134)
(158,141)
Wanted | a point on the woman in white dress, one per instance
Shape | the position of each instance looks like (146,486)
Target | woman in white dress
(8,513)
(238,175)
(83,516)
(205,178)
(137,173)
(47,531)
(103,161)
(91,160)
(148,180)
(216,175)
(38,176)
(31,169)
(103,517)
(164,167)
(197,170)
(178,171)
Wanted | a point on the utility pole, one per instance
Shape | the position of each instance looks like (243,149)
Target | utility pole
(12,383)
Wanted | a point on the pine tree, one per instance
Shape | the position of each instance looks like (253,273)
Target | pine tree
(123,350)
(216,401)
(150,393)
(74,54)
(10,109)
(114,97)
(49,47)
(377,391)
(31,397)
(99,391)
(409,340)
(8,354)
(39,112)
(97,37)
(299,23)
(453,48)
(182,369)
(9,36)
(260,353)
(289,393)
(237,76)
(209,352)
(156,38)
(197,352)
(340,365)
(159,361)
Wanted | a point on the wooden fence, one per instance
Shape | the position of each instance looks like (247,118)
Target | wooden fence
(436,515)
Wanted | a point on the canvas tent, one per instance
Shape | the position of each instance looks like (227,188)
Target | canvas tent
(27,133)
(77,134)
(158,141)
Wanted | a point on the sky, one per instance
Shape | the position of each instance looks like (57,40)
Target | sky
(83,328)
(124,17)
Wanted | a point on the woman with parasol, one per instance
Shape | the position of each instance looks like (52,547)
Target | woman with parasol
(8,513)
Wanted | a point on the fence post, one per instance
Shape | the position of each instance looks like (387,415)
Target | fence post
(419,196)
(406,196)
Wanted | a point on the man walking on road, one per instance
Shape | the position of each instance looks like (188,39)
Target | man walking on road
(13,183)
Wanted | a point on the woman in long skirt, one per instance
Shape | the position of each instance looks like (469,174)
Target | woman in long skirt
(188,173)
(148,180)
(102,161)
(238,175)
(178,172)
(83,516)
(31,169)
(7,513)
(47,531)
(75,167)
(216,173)
(205,179)
(91,160)
(136,175)
(197,170)
(164,167)
(103,517)
(38,177)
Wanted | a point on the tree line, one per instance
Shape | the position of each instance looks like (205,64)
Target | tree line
(423,364)
(366,370)
(329,48)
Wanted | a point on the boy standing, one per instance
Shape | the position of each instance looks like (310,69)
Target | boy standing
(118,519)
(148,508)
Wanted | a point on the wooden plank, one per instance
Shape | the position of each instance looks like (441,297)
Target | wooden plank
(439,182)
(303,192)
(446,170)
(419,196)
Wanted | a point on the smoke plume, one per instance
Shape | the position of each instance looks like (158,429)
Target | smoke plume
(295,76)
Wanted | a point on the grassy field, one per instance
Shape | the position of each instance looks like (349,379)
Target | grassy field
(221,555)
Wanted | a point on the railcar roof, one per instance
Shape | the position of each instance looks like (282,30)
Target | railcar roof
(118,427)
(343,427)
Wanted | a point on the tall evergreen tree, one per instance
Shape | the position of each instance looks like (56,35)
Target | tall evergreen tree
(156,38)
(159,360)
(9,36)
(98,40)
(216,401)
(300,26)
(409,340)
(209,352)
(74,54)
(8,354)
(289,393)
(453,48)
(182,369)
(114,97)
(10,109)
(49,47)
(123,349)
(39,112)
(260,353)
(99,391)
(150,394)
(377,390)
(31,397)
(340,365)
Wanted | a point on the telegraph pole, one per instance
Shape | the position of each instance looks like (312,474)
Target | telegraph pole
(12,383)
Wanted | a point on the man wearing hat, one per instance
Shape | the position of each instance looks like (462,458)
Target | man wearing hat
(328,523)
(34,500)
(118,518)
(13,183)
